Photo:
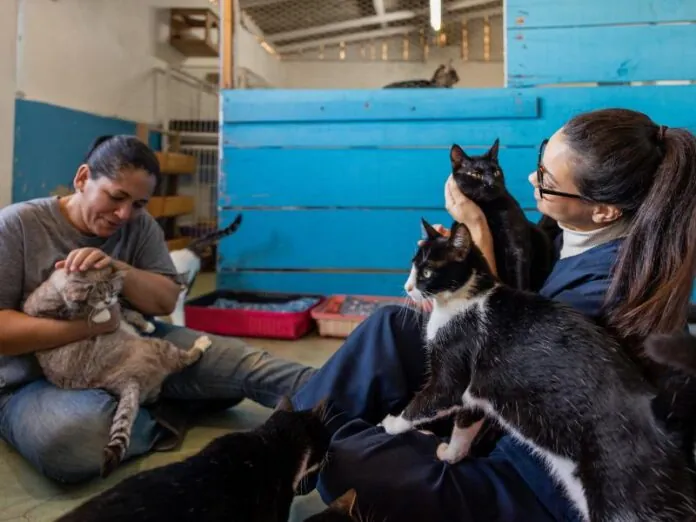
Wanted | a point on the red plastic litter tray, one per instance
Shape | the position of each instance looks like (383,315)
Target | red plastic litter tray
(339,315)
(201,315)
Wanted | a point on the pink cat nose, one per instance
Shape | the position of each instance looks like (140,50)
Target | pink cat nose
(409,288)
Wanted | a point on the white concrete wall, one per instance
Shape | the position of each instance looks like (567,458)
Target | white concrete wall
(97,55)
(8,39)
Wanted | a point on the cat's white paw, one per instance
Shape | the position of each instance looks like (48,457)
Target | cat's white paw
(101,316)
(202,343)
(395,425)
(149,327)
(448,453)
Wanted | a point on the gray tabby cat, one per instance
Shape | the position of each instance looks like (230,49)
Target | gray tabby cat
(122,362)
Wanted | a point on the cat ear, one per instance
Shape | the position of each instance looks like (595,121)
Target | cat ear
(346,502)
(460,237)
(457,156)
(428,231)
(493,151)
(284,404)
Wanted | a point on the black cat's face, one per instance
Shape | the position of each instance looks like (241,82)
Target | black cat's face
(478,177)
(340,510)
(440,265)
(90,291)
(308,429)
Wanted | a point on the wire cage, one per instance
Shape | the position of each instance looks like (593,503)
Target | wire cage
(398,43)
(187,107)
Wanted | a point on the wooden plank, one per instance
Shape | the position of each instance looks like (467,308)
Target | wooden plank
(314,282)
(170,206)
(227,44)
(276,105)
(396,178)
(564,13)
(369,239)
(665,104)
(601,54)
(178,206)
(176,163)
(156,206)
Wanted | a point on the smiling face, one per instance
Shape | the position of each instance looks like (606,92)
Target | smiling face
(106,204)
(557,162)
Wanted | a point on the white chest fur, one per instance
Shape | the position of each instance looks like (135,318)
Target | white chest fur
(446,309)
(562,468)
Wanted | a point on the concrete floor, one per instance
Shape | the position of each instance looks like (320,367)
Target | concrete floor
(27,496)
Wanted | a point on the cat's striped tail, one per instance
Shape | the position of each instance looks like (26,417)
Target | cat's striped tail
(200,244)
(121,427)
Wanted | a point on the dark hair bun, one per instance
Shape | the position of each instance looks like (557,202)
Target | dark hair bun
(95,144)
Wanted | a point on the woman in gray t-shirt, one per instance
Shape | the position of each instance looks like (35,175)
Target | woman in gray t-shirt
(62,432)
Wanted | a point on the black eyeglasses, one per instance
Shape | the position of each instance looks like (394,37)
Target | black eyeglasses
(541,170)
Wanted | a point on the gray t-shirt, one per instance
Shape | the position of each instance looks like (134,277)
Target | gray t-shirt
(34,235)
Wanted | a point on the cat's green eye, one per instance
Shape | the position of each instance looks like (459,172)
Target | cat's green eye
(427,273)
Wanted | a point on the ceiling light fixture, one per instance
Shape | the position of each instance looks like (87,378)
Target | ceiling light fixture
(436,14)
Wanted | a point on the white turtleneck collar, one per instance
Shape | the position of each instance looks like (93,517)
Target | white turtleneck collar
(576,242)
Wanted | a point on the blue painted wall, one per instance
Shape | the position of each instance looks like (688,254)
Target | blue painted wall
(333,183)
(51,142)
(565,41)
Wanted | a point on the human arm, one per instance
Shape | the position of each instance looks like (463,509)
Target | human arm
(465,211)
(149,273)
(149,292)
(21,333)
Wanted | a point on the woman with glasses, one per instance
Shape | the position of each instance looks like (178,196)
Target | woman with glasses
(622,190)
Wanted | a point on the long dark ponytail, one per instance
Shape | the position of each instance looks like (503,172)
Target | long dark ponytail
(649,172)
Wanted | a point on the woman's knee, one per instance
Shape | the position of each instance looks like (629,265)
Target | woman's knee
(67,446)
(62,433)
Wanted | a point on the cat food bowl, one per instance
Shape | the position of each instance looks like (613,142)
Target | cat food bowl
(252,314)
(339,315)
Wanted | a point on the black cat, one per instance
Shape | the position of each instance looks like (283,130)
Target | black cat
(523,251)
(340,510)
(556,381)
(245,477)
(674,404)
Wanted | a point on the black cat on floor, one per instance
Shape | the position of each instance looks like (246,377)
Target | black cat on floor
(240,477)
(523,251)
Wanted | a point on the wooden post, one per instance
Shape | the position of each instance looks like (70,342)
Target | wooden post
(227,45)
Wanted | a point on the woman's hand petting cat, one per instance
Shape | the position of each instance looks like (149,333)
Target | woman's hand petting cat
(461,208)
(465,211)
(83,259)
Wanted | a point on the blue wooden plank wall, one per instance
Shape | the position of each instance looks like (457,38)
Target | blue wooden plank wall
(333,183)
(566,41)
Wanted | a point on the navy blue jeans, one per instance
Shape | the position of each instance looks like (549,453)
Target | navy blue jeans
(376,372)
